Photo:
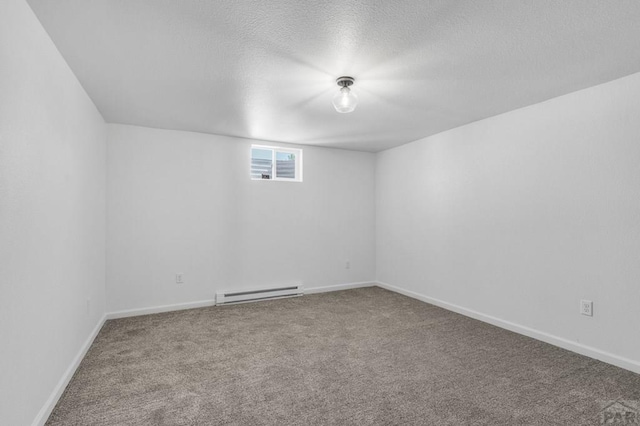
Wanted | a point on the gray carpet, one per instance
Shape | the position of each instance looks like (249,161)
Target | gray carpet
(356,357)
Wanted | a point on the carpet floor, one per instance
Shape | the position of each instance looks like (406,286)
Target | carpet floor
(357,357)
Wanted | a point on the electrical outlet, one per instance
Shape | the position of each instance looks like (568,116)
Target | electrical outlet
(179,278)
(347,265)
(586,307)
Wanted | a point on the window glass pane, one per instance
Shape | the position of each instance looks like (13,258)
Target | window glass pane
(285,165)
(261,163)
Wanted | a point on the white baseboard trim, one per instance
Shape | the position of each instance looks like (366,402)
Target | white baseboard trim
(212,302)
(159,309)
(338,287)
(609,358)
(48,406)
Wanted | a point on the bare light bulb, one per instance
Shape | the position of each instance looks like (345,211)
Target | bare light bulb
(345,100)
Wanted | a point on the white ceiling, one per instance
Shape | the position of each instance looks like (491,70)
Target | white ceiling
(267,69)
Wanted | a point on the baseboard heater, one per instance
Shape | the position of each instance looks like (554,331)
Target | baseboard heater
(254,295)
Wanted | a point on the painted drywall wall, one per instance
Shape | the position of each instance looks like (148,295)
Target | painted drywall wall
(52,215)
(522,215)
(181,202)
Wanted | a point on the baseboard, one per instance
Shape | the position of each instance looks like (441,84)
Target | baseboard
(48,407)
(609,358)
(212,302)
(338,287)
(159,309)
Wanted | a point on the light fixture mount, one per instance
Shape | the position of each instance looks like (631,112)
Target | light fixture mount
(345,81)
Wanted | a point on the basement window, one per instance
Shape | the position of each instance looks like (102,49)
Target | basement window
(275,163)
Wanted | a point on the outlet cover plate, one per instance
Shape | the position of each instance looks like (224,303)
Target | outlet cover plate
(586,307)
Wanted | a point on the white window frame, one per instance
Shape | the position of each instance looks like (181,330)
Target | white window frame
(274,149)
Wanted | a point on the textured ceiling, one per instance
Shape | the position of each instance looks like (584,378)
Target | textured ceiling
(266,69)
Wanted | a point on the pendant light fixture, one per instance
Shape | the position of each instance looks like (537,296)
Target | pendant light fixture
(345,100)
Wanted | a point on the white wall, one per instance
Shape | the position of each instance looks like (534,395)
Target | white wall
(522,215)
(183,202)
(52,215)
